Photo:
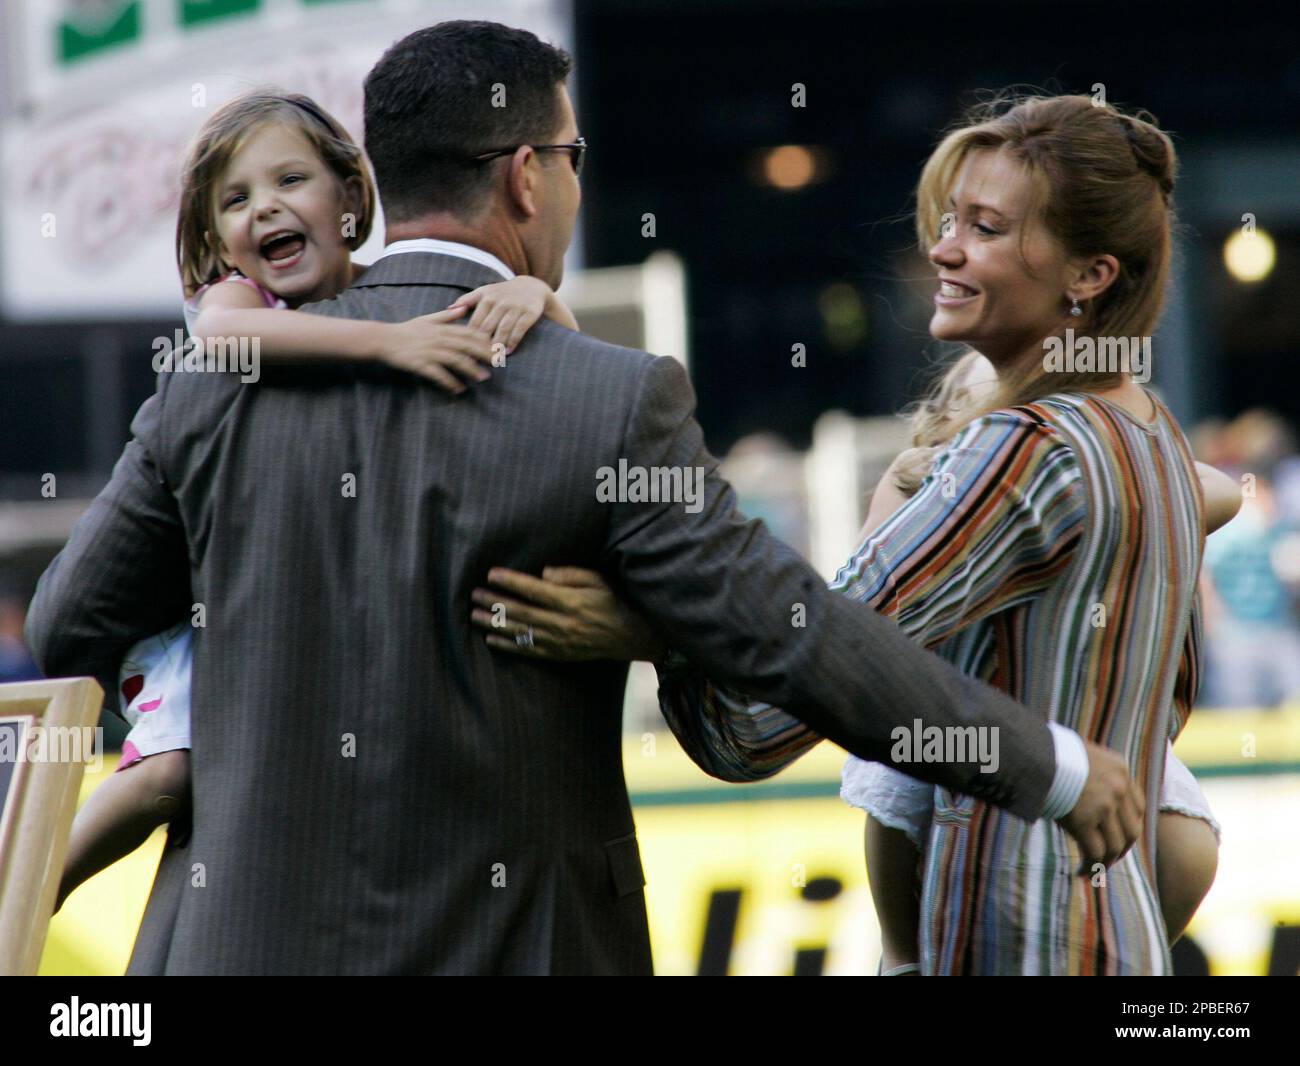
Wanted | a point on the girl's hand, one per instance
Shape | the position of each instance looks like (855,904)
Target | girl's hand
(571,614)
(434,348)
(897,485)
(909,468)
(507,310)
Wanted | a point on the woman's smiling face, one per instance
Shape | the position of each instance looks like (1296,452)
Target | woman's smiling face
(1002,277)
(279,211)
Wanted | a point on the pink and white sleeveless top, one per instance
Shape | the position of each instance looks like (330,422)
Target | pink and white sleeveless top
(192,304)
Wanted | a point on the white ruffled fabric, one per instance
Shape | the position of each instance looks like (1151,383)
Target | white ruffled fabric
(890,797)
(1183,795)
(904,803)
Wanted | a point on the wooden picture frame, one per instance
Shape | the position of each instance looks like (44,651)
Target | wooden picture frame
(38,800)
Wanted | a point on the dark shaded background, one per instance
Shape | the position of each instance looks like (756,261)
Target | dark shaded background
(678,98)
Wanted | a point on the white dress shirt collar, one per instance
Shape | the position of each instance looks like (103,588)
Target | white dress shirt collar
(439,247)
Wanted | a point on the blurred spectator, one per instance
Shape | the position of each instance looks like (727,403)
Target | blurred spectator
(1252,569)
(1286,486)
(16,662)
(769,478)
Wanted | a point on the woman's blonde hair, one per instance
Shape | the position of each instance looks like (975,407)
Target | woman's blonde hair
(217,143)
(1102,183)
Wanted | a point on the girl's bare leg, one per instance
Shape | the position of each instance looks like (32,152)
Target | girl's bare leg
(122,812)
(893,870)
(1187,858)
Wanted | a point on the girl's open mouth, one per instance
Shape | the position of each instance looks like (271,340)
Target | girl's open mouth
(283,249)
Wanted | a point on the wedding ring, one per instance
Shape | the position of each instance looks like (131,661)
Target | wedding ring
(525,639)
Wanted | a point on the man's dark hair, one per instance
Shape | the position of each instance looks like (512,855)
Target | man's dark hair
(430,109)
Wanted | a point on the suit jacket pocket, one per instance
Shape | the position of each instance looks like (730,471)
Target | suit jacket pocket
(624,864)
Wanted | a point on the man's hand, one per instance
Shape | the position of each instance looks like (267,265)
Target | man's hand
(1108,817)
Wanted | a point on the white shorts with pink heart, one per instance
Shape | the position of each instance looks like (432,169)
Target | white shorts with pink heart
(154,688)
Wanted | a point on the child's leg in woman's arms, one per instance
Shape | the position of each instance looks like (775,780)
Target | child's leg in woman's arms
(122,812)
(893,870)
(1187,858)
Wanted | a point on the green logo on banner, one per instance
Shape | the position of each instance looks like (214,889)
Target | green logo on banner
(194,12)
(91,26)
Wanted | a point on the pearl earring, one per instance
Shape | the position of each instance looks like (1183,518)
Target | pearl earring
(1075,309)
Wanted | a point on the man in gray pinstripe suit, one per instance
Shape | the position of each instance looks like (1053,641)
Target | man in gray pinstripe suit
(375,791)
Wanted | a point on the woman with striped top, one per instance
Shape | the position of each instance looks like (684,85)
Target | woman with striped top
(899,807)
(1088,602)
(1058,535)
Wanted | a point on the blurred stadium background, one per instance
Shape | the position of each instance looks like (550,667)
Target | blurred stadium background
(724,226)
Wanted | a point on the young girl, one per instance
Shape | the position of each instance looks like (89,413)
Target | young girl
(275,198)
(899,807)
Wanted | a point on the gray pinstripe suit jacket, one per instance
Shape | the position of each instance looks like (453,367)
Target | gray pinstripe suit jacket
(481,824)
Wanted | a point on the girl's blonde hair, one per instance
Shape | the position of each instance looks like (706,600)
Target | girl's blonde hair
(1102,183)
(951,401)
(217,143)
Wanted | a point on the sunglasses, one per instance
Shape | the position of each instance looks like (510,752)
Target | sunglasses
(577,152)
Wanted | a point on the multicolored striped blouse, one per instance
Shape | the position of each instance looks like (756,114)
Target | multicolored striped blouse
(1054,548)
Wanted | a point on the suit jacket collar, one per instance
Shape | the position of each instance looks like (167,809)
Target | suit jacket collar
(427,268)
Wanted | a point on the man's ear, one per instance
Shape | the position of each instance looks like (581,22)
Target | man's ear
(521,181)
(354,200)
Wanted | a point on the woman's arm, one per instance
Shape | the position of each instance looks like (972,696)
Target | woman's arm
(725,733)
(995,520)
(571,614)
(993,523)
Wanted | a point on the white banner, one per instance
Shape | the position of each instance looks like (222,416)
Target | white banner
(106,95)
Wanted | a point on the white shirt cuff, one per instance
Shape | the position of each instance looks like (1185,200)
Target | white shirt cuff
(1071,772)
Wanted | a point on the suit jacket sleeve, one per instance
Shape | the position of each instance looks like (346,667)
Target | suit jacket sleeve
(124,573)
(749,613)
